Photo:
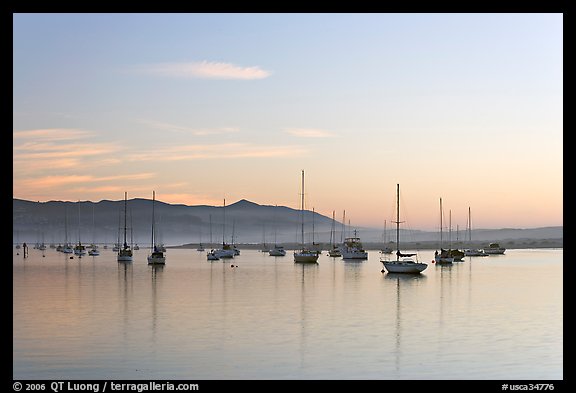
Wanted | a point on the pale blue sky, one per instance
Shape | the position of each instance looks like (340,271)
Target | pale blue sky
(467,107)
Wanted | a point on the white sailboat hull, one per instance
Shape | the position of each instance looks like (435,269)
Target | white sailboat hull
(220,253)
(277,252)
(306,257)
(404,266)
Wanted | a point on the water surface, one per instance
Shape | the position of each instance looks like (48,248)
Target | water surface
(497,317)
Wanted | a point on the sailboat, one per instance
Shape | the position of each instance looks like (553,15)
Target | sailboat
(17,240)
(156,256)
(334,252)
(67,249)
(79,249)
(470,252)
(278,250)
(93,248)
(125,252)
(200,245)
(264,248)
(385,249)
(304,255)
(315,247)
(226,251)
(234,247)
(211,255)
(442,257)
(404,262)
(454,253)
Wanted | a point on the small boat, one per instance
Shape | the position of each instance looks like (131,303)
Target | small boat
(494,249)
(442,257)
(353,249)
(404,263)
(304,255)
(125,253)
(93,247)
(334,252)
(66,248)
(277,251)
(385,249)
(79,249)
(157,256)
(211,256)
(470,252)
(227,251)
(234,247)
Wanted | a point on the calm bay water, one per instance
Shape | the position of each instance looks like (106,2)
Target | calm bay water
(497,317)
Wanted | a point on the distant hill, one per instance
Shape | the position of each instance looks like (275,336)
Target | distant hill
(178,224)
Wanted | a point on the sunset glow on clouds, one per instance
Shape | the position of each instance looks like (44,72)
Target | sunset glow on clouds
(214,151)
(309,133)
(205,70)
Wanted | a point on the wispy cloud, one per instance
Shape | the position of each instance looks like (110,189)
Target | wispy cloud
(205,70)
(58,181)
(217,151)
(309,133)
(189,130)
(51,134)
(42,151)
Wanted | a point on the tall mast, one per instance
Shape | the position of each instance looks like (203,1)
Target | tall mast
(343,226)
(125,213)
(65,226)
(302,210)
(469,227)
(210,219)
(440,223)
(131,230)
(397,222)
(450,229)
(224,224)
(313,227)
(153,200)
(333,230)
(79,242)
(93,226)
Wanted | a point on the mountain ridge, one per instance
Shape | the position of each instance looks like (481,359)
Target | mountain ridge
(247,221)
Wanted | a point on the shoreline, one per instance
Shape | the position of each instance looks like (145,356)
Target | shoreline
(431,245)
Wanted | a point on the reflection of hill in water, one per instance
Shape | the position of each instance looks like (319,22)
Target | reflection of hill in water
(181,224)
